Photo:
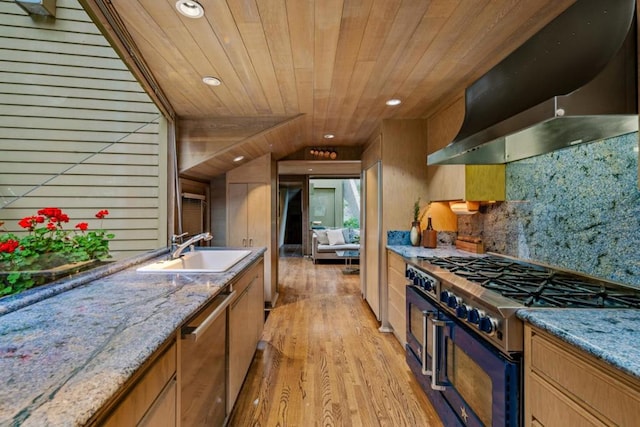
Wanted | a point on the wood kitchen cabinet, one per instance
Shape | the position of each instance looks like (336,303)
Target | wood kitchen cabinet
(565,386)
(251,216)
(397,296)
(395,176)
(247,223)
(151,398)
(246,320)
(459,182)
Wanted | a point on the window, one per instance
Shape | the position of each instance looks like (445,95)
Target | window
(78,133)
(334,203)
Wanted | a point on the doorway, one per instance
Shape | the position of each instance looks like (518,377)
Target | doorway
(290,201)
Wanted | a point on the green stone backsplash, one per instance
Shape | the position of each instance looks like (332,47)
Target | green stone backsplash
(576,208)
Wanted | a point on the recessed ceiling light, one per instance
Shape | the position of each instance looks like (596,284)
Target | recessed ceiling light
(211,81)
(329,136)
(190,8)
(394,102)
(239,158)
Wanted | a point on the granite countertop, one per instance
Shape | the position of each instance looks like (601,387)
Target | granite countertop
(63,356)
(608,334)
(414,255)
(413,252)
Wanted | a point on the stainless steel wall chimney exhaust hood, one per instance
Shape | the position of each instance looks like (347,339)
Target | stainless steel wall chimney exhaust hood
(574,81)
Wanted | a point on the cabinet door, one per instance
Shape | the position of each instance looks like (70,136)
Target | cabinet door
(241,334)
(237,208)
(256,296)
(258,215)
(397,296)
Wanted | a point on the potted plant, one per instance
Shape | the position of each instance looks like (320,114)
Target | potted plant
(48,251)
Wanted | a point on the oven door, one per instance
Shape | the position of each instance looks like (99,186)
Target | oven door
(420,312)
(478,382)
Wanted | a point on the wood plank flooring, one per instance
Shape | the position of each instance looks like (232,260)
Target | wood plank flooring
(323,362)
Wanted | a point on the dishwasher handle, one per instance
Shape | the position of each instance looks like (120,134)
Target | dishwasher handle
(191,333)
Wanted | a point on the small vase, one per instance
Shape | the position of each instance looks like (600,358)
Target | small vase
(415,233)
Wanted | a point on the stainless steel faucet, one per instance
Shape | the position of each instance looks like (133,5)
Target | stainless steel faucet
(190,243)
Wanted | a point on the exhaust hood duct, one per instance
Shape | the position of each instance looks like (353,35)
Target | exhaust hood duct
(572,82)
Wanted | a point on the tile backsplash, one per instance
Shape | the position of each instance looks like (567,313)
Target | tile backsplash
(577,208)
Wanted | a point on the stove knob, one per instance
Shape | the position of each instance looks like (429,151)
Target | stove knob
(454,301)
(475,315)
(444,296)
(463,311)
(488,325)
(416,281)
(428,284)
(410,273)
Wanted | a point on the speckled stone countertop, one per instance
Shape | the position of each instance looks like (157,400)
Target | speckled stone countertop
(608,334)
(64,356)
(409,251)
(414,254)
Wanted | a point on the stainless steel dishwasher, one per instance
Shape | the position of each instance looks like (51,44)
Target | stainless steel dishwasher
(203,364)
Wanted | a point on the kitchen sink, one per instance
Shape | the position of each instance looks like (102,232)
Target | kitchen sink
(208,261)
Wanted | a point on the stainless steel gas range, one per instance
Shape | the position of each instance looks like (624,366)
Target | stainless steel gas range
(464,341)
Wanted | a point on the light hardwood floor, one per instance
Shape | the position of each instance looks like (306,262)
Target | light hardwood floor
(322,361)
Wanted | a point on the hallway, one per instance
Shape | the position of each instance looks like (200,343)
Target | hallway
(322,361)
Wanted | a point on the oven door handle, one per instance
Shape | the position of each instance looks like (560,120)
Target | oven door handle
(426,314)
(437,355)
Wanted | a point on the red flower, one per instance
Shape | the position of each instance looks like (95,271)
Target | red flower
(39,219)
(9,246)
(101,214)
(54,215)
(82,226)
(50,212)
(25,222)
(28,222)
(52,226)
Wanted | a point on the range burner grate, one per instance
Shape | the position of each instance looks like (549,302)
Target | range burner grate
(538,286)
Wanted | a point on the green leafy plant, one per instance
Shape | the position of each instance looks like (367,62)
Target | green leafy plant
(416,211)
(352,222)
(47,245)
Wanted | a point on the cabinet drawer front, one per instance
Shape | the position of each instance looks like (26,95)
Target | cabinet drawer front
(247,278)
(587,380)
(143,393)
(396,263)
(163,411)
(549,407)
(397,280)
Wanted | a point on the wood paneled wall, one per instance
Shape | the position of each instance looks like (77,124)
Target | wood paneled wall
(404,171)
(77,131)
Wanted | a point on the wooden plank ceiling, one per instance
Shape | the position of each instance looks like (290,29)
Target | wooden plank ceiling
(295,70)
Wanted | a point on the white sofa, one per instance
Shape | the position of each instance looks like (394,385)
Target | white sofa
(325,243)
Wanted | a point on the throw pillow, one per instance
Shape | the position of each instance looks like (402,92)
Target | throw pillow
(346,233)
(323,239)
(335,237)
